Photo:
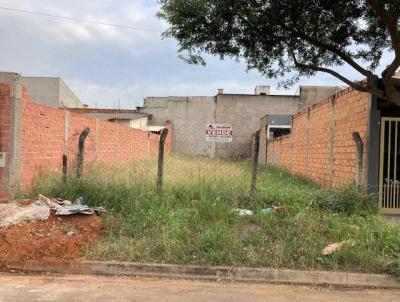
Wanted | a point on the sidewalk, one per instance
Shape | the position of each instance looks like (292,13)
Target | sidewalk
(76,288)
(210,273)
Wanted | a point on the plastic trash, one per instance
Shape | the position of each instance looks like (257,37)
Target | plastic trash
(66,207)
(267,211)
(244,212)
(80,201)
(74,209)
(274,209)
(100,210)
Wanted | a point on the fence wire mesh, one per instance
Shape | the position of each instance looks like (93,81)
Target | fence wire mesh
(189,161)
(196,162)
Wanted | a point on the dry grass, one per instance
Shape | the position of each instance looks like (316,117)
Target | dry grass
(194,220)
(177,169)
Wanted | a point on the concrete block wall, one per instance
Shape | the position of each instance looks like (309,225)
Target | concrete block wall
(244,112)
(35,137)
(310,95)
(263,146)
(190,116)
(320,146)
(52,92)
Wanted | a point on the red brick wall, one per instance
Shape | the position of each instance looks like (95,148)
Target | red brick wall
(297,145)
(351,115)
(319,143)
(42,139)
(45,137)
(321,146)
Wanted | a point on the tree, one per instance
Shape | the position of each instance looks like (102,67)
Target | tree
(304,36)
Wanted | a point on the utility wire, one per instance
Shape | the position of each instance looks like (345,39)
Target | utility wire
(78,19)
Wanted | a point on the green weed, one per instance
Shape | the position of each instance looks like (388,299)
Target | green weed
(194,220)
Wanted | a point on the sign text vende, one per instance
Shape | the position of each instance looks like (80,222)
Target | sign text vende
(221,133)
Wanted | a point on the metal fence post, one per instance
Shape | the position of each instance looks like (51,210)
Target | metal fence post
(64,167)
(266,145)
(81,152)
(256,150)
(160,173)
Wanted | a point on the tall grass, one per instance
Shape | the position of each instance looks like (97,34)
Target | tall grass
(194,220)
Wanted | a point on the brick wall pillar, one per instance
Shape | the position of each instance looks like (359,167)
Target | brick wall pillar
(307,142)
(66,131)
(10,132)
(332,130)
(96,140)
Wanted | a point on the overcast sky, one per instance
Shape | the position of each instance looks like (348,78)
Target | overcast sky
(108,65)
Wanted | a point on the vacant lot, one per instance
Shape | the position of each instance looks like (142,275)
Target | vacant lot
(194,220)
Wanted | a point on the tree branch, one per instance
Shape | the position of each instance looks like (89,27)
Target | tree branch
(391,24)
(395,81)
(392,85)
(355,85)
(345,57)
(318,43)
(389,21)
(245,21)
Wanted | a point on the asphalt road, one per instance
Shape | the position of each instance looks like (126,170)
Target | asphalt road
(71,288)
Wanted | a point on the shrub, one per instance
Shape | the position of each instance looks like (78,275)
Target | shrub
(346,201)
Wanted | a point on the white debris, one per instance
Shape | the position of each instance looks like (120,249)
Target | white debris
(11,213)
(337,246)
(243,212)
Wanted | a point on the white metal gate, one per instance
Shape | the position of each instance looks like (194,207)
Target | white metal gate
(389,173)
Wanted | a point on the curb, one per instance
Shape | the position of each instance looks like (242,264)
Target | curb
(264,275)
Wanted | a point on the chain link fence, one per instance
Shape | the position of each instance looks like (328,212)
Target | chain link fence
(205,160)
(166,160)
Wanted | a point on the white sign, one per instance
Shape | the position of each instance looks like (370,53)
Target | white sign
(220,133)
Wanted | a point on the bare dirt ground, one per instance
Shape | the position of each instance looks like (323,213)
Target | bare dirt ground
(58,238)
(71,288)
